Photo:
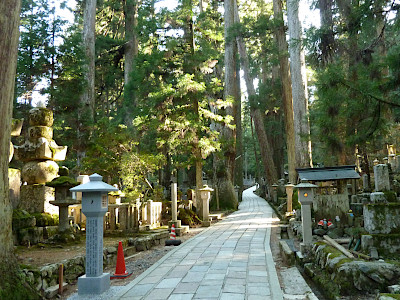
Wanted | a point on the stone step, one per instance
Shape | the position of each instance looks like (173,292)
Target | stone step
(52,291)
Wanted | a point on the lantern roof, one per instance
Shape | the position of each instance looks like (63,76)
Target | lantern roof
(206,188)
(305,185)
(95,184)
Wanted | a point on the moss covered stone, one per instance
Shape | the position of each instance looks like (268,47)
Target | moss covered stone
(63,181)
(40,116)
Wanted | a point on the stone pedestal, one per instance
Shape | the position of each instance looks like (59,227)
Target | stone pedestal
(93,285)
(306,223)
(63,212)
(36,199)
(381,174)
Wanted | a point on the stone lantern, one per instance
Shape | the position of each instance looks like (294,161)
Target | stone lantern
(205,195)
(94,206)
(306,197)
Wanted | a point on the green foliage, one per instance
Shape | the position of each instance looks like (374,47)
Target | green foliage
(45,219)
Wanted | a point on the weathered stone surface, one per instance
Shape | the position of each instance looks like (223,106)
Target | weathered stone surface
(330,206)
(377,197)
(40,150)
(319,231)
(349,276)
(394,289)
(35,132)
(381,175)
(39,172)
(39,116)
(14,183)
(36,199)
(335,233)
(382,218)
(386,244)
(16,127)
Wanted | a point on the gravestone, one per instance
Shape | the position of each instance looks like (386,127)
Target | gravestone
(381,174)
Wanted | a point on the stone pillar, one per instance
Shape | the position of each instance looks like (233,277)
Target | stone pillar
(174,206)
(392,161)
(150,215)
(289,193)
(123,216)
(113,216)
(381,174)
(205,195)
(366,186)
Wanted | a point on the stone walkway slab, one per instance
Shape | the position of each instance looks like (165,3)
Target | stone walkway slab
(230,260)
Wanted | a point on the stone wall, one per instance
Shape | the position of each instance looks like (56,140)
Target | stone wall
(330,206)
(45,279)
(338,275)
(386,245)
(382,218)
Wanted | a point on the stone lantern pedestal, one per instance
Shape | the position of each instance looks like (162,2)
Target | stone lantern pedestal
(205,195)
(94,206)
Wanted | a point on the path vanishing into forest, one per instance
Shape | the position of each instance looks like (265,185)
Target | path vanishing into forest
(230,260)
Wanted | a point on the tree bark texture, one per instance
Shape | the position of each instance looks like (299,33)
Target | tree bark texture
(265,148)
(225,165)
(11,285)
(299,87)
(327,36)
(9,32)
(87,101)
(286,88)
(131,46)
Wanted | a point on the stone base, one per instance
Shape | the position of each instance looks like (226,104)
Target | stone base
(305,249)
(177,224)
(93,285)
(206,223)
(36,198)
(182,230)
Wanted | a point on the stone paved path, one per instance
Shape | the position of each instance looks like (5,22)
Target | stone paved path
(230,260)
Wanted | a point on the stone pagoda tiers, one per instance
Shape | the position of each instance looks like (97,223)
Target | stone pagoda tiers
(40,153)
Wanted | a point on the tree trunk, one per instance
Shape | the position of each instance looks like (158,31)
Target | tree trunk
(299,87)
(11,284)
(286,88)
(87,101)
(225,165)
(265,148)
(327,37)
(131,46)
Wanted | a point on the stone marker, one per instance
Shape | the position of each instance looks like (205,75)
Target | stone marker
(365,181)
(381,174)
(94,206)
(174,206)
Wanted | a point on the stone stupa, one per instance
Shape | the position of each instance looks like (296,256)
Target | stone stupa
(39,153)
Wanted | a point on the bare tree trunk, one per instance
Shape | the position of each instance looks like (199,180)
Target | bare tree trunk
(87,101)
(327,38)
(225,165)
(299,87)
(265,148)
(286,88)
(239,135)
(11,284)
(131,46)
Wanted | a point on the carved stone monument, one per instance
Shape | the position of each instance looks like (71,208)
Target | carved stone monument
(40,153)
